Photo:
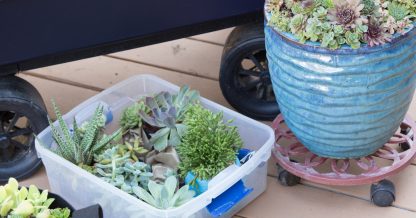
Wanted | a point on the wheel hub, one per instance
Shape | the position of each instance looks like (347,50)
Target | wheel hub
(4,141)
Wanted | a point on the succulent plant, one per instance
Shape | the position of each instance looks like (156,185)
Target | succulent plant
(334,23)
(167,113)
(398,11)
(376,35)
(280,20)
(347,13)
(117,168)
(273,5)
(80,145)
(165,196)
(325,3)
(297,25)
(135,151)
(130,118)
(369,7)
(163,163)
(210,144)
(26,203)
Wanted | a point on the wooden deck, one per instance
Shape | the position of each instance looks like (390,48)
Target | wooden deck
(195,61)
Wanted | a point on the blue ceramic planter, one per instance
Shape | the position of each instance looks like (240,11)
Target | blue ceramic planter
(344,103)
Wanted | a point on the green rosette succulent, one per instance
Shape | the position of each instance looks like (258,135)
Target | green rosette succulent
(167,114)
(165,196)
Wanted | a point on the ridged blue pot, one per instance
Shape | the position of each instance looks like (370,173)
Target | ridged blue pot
(342,103)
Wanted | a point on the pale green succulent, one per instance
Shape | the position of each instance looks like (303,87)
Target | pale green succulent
(165,196)
(167,113)
(398,11)
(25,203)
(116,168)
(353,39)
(325,3)
(79,145)
(280,20)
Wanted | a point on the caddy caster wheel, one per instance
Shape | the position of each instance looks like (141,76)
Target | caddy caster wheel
(244,75)
(285,178)
(383,193)
(405,130)
(22,114)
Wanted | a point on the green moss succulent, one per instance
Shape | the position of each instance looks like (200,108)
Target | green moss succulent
(210,144)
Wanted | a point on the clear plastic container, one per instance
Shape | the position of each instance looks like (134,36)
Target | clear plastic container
(82,189)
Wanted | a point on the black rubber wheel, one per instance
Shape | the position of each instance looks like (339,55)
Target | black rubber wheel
(383,193)
(285,178)
(22,114)
(405,130)
(244,74)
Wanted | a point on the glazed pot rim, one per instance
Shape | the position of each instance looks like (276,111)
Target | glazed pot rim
(345,49)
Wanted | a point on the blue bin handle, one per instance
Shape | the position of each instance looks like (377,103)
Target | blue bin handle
(228,199)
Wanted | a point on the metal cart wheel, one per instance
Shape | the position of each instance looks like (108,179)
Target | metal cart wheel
(22,114)
(244,75)
(383,193)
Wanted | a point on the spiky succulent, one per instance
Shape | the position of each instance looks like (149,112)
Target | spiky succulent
(79,144)
(376,35)
(398,11)
(347,13)
(167,113)
(165,196)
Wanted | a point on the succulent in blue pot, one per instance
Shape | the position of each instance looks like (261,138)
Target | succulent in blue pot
(345,77)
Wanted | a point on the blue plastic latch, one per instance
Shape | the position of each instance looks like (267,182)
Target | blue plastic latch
(108,116)
(224,202)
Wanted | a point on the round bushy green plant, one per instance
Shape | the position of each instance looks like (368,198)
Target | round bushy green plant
(209,146)
(334,23)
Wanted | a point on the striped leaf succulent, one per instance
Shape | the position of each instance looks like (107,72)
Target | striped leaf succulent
(79,144)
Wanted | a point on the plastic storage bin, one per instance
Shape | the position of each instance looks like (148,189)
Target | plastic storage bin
(83,189)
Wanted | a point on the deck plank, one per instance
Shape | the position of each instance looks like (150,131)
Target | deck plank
(405,192)
(303,201)
(65,96)
(216,37)
(183,55)
(103,72)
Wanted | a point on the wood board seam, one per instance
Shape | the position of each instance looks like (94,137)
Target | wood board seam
(162,67)
(206,41)
(63,81)
(345,194)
